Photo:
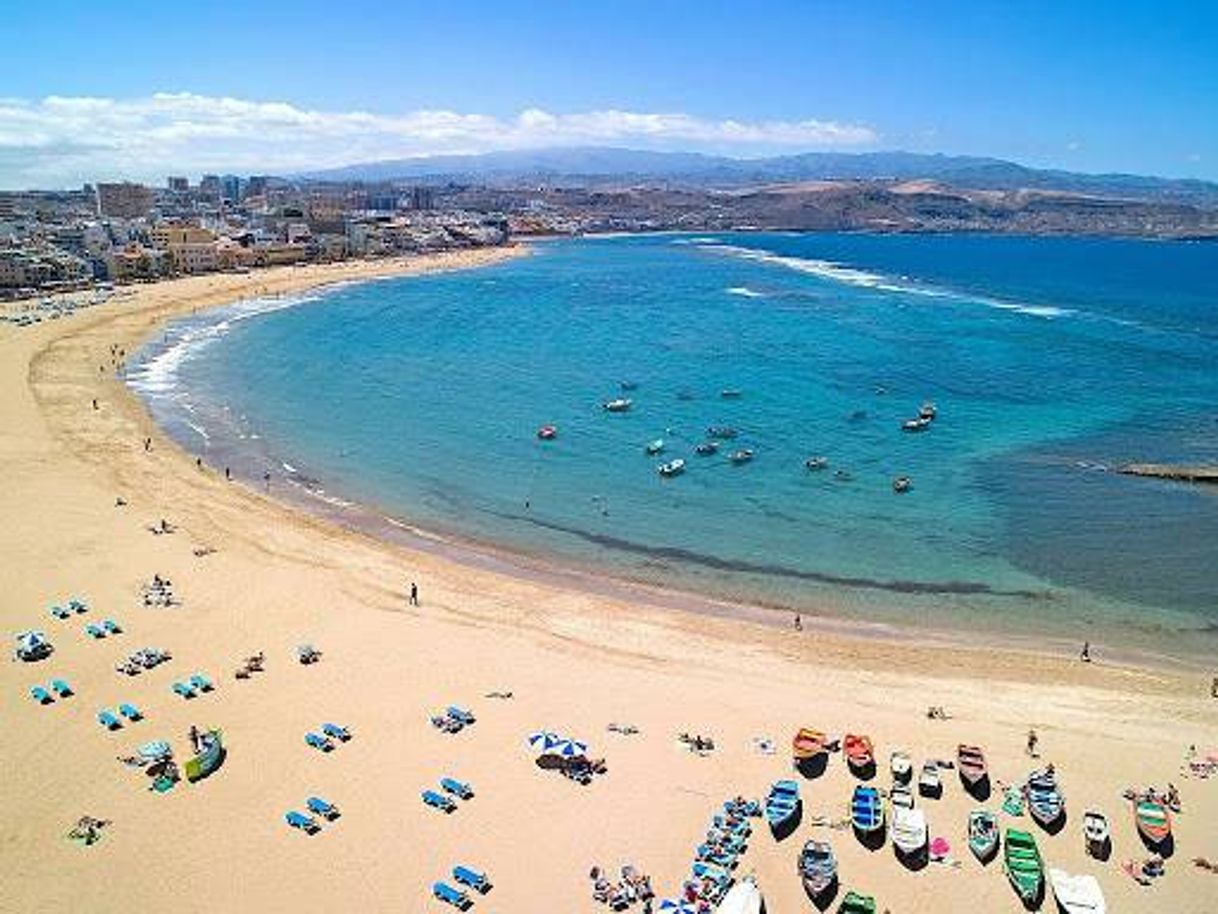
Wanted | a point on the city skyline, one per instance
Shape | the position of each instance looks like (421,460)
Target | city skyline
(280,89)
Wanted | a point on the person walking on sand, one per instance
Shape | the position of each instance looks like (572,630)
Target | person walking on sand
(1032,741)
(147,444)
(1085,656)
(1214,688)
(799,623)
(414,594)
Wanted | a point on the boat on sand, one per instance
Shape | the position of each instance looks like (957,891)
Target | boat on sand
(908,830)
(929,782)
(742,898)
(867,810)
(807,744)
(782,805)
(858,751)
(817,868)
(1096,834)
(982,834)
(1045,802)
(1153,820)
(1077,894)
(855,903)
(901,766)
(1024,866)
(970,762)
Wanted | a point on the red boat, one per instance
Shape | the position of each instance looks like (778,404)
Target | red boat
(858,751)
(970,762)
(547,432)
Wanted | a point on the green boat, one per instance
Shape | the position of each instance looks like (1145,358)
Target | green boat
(1024,866)
(982,834)
(854,903)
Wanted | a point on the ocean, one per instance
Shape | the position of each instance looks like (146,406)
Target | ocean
(1050,360)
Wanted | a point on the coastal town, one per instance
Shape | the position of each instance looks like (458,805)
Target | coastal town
(117,233)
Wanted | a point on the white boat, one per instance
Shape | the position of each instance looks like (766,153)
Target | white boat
(1096,833)
(908,829)
(919,424)
(654,447)
(929,782)
(620,405)
(742,898)
(816,463)
(672,468)
(901,797)
(744,455)
(1077,894)
(902,767)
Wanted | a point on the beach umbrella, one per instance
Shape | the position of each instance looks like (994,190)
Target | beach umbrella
(544,740)
(940,847)
(570,748)
(154,750)
(677,906)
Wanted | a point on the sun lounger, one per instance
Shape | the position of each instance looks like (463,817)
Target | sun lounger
(460,714)
(61,688)
(77,606)
(112,627)
(457,788)
(130,711)
(306,824)
(439,801)
(455,897)
(60,612)
(446,723)
(93,630)
(473,878)
(201,682)
(41,695)
(323,808)
(181,688)
(334,731)
(317,741)
(106,718)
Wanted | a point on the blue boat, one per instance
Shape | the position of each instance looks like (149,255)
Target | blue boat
(867,809)
(782,805)
(1045,801)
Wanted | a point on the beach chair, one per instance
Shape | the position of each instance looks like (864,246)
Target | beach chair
(316,741)
(181,688)
(457,788)
(460,715)
(201,682)
(438,800)
(469,876)
(112,627)
(130,711)
(306,824)
(447,724)
(334,731)
(323,808)
(41,695)
(106,718)
(77,606)
(93,630)
(61,688)
(60,612)
(455,897)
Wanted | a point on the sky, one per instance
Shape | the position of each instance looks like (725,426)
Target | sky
(99,90)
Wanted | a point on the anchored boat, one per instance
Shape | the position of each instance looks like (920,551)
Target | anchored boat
(672,468)
(619,405)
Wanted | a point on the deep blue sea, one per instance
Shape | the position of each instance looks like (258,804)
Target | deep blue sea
(1050,362)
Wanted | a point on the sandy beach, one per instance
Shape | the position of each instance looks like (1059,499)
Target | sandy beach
(253,573)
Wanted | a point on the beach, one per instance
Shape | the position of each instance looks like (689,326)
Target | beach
(253,573)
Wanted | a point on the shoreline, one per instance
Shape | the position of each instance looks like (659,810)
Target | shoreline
(573,660)
(824,614)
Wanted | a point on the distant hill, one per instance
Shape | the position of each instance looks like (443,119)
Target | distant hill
(600,165)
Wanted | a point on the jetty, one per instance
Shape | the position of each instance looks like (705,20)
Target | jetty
(1177,471)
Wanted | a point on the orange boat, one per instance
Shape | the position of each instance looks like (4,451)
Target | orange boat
(808,744)
(858,751)
(970,762)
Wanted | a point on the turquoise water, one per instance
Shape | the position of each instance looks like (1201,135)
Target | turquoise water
(1050,360)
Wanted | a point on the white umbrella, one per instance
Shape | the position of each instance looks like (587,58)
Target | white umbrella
(544,740)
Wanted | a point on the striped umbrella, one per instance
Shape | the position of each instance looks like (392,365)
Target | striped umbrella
(570,748)
(544,741)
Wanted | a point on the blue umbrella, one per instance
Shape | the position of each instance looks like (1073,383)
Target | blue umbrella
(570,748)
(677,906)
(544,740)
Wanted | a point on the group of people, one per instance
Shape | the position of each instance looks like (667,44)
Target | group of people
(633,886)
(159,592)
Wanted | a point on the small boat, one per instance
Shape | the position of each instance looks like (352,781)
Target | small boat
(1025,869)
(807,744)
(730,393)
(816,463)
(929,782)
(1096,833)
(620,405)
(782,805)
(627,385)
(858,751)
(742,898)
(902,484)
(547,432)
(1045,802)
(982,834)
(724,432)
(744,455)
(915,425)
(706,448)
(928,411)
(901,766)
(867,809)
(900,795)
(672,468)
(854,903)
(653,447)
(843,475)
(1153,820)
(1077,894)
(970,762)
(908,830)
(817,868)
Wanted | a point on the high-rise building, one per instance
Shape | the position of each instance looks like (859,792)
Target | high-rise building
(230,188)
(210,186)
(422,198)
(124,201)
(257,185)
(179,185)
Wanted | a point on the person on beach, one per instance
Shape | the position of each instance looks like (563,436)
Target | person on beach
(1033,739)
(95,403)
(266,478)
(228,473)
(199,462)
(1214,688)
(147,445)
(1085,656)
(799,623)
(414,594)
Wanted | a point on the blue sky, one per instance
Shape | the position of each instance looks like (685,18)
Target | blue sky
(136,89)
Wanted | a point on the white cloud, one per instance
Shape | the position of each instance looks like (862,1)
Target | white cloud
(61,141)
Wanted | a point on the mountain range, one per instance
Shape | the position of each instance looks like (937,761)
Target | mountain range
(593,166)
